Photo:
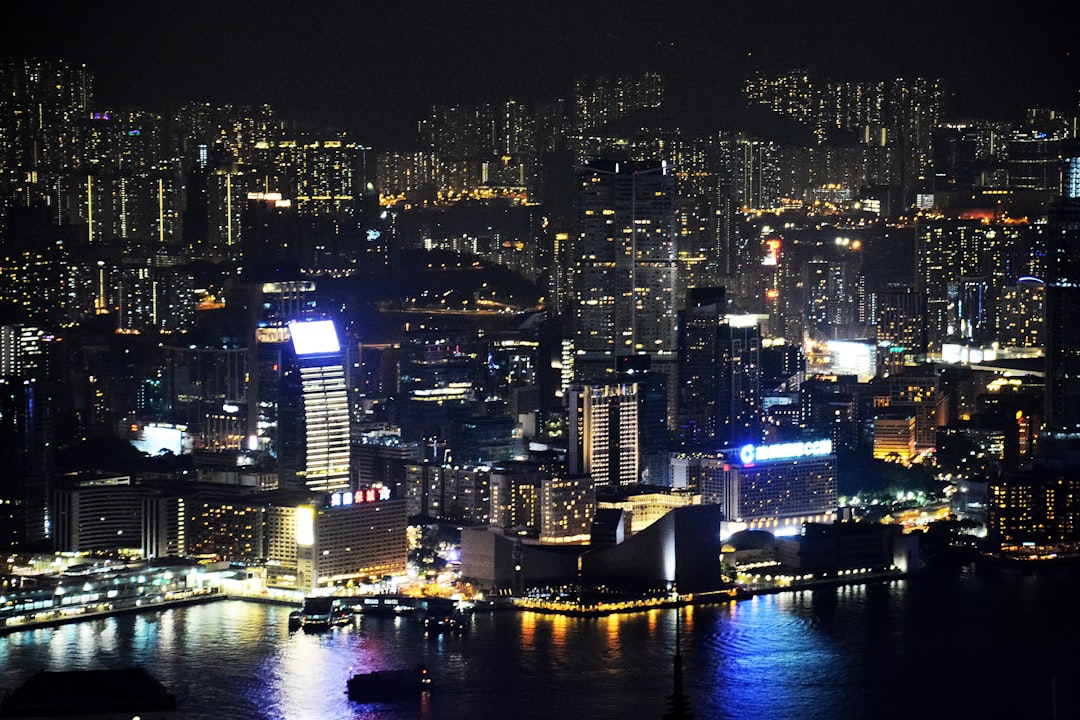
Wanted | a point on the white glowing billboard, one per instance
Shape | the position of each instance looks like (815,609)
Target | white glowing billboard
(154,439)
(305,525)
(316,337)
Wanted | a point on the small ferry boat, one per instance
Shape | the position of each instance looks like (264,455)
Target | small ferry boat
(389,685)
(322,612)
(444,616)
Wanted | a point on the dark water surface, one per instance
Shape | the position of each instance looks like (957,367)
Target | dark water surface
(963,646)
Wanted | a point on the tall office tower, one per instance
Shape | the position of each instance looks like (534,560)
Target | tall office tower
(601,100)
(483,439)
(42,106)
(313,416)
(901,328)
(603,434)
(719,374)
(380,458)
(205,381)
(624,275)
(1070,176)
(273,305)
(753,169)
(1062,310)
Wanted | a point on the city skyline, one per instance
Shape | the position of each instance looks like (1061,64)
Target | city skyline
(375,69)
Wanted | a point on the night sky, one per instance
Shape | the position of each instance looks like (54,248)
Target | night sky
(373,67)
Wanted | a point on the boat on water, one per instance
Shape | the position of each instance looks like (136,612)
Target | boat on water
(389,685)
(444,616)
(322,612)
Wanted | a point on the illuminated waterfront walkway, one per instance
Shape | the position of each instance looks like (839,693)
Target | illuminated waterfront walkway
(46,607)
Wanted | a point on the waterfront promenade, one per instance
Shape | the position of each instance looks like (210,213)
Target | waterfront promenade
(607,606)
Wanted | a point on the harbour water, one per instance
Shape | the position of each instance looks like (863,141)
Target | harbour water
(935,646)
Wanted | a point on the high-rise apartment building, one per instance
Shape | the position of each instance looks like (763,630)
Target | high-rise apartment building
(1021,314)
(604,99)
(43,106)
(901,327)
(947,250)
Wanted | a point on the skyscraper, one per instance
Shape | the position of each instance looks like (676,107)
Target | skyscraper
(1062,309)
(719,374)
(604,433)
(314,413)
(624,274)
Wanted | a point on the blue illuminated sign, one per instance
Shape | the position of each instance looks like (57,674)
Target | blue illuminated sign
(750,454)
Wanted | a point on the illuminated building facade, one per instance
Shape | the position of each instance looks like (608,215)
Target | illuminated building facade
(453,493)
(893,120)
(225,527)
(515,497)
(642,510)
(206,389)
(901,330)
(947,251)
(624,273)
(314,450)
(894,439)
(603,429)
(567,506)
(1021,314)
(773,487)
(102,515)
(601,100)
(1039,507)
(346,536)
(275,305)
(43,107)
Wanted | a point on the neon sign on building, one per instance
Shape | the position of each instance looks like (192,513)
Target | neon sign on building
(750,454)
(359,497)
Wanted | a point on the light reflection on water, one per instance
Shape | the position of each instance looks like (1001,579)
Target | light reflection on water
(860,651)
